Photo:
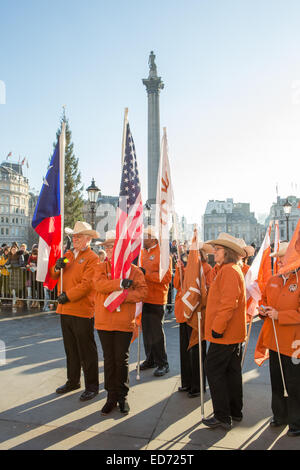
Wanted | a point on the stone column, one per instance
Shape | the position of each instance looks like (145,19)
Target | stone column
(153,85)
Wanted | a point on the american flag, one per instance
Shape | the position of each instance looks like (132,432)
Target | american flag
(129,228)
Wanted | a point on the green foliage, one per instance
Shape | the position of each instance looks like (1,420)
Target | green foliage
(73,206)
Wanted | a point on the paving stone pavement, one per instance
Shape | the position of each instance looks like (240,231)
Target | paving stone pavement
(34,417)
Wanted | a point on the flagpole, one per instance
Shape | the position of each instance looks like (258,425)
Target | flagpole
(138,354)
(62,145)
(124,136)
(247,341)
(200,366)
(285,393)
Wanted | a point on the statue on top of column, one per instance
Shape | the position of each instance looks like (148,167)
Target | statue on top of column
(152,66)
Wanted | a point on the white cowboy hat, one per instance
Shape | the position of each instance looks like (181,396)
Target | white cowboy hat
(110,237)
(228,241)
(249,250)
(283,246)
(150,231)
(82,228)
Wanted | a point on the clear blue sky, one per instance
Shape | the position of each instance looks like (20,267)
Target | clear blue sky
(231,102)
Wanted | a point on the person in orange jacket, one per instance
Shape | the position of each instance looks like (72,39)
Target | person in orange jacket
(154,305)
(189,358)
(244,261)
(225,328)
(281,302)
(76,309)
(115,328)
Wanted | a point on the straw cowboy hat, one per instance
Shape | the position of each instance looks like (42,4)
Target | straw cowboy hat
(207,248)
(110,237)
(150,231)
(82,228)
(228,241)
(283,246)
(249,250)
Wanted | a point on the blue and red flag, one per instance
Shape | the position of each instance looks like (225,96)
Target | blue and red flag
(47,221)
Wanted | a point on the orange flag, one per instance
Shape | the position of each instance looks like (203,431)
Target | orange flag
(291,260)
(258,274)
(194,292)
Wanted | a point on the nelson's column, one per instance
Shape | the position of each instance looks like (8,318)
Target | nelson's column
(153,85)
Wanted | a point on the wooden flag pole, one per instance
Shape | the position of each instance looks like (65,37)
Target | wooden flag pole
(62,146)
(200,366)
(247,341)
(139,354)
(124,136)
(285,393)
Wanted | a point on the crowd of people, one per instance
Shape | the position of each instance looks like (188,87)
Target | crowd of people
(90,299)
(18,277)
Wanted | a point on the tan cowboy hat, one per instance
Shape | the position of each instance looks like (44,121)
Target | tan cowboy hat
(249,250)
(228,241)
(283,246)
(150,231)
(110,237)
(207,248)
(82,228)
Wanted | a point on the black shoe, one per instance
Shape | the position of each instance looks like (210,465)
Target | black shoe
(109,406)
(274,423)
(162,370)
(193,394)
(147,365)
(87,395)
(184,389)
(215,423)
(293,432)
(67,388)
(237,418)
(124,406)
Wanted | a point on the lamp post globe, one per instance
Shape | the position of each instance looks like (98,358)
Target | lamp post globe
(287,207)
(93,192)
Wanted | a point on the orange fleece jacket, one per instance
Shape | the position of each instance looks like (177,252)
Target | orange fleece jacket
(226,306)
(77,283)
(157,290)
(123,320)
(286,300)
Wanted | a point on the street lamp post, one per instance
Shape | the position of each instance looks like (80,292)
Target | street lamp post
(287,207)
(93,192)
(148,212)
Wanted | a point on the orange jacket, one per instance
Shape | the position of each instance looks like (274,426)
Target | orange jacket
(285,298)
(245,268)
(215,271)
(178,307)
(157,290)
(123,320)
(226,306)
(77,284)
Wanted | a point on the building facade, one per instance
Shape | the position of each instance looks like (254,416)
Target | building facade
(277,213)
(14,199)
(233,218)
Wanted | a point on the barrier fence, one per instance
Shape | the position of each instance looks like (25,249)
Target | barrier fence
(19,288)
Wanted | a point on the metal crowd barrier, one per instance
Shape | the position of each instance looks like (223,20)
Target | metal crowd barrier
(19,288)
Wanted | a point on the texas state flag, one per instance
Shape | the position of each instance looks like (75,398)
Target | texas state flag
(47,220)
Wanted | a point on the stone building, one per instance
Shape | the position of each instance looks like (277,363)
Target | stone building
(277,213)
(233,218)
(14,198)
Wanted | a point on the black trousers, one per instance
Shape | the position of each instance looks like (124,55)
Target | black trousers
(154,335)
(189,359)
(224,376)
(81,350)
(285,409)
(115,346)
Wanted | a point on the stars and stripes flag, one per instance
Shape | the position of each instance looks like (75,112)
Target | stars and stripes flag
(48,215)
(129,227)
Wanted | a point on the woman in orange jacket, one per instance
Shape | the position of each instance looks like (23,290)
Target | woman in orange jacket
(225,328)
(281,303)
(115,328)
(189,357)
